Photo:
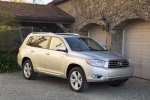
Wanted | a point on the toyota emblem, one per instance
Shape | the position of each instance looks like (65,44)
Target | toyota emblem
(119,63)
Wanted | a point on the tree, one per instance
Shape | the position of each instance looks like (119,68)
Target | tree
(8,21)
(9,32)
(9,42)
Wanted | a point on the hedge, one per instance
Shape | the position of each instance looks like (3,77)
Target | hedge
(8,62)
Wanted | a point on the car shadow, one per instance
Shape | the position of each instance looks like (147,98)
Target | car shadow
(63,83)
(139,87)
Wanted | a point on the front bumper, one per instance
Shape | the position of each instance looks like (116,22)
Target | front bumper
(108,74)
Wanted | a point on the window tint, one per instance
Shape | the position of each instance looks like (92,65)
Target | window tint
(42,42)
(31,41)
(77,44)
(93,45)
(83,44)
(55,42)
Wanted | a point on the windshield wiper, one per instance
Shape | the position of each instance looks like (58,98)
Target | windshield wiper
(103,50)
(92,49)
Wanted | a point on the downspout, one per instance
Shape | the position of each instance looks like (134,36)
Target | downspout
(123,41)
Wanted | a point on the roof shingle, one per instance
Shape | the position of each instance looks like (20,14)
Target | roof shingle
(36,11)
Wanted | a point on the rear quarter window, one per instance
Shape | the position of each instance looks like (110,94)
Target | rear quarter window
(42,42)
(31,41)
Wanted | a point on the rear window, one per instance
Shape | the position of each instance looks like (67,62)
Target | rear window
(38,41)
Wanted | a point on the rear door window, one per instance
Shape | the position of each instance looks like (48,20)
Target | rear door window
(42,42)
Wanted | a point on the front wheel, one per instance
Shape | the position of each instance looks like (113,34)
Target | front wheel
(77,80)
(28,71)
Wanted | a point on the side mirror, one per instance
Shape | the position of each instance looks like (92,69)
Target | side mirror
(61,48)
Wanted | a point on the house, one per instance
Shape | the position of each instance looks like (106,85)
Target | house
(45,17)
(129,22)
(32,18)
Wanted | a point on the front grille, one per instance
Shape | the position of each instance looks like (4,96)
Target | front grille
(118,63)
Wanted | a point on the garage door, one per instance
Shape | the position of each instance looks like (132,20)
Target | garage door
(137,47)
(101,36)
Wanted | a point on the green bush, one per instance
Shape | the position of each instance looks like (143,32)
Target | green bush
(8,62)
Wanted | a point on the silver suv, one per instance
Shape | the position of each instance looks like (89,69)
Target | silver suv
(79,59)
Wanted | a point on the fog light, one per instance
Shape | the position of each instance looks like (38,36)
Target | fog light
(93,76)
(96,76)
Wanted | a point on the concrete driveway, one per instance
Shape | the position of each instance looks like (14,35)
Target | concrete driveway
(14,87)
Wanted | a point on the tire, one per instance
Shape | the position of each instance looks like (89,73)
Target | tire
(28,71)
(77,80)
(118,83)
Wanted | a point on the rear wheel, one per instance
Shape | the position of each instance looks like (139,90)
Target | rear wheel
(77,80)
(28,71)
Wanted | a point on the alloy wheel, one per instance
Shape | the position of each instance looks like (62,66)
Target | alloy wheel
(27,70)
(76,80)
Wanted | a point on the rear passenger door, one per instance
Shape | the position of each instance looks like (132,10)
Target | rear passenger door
(30,50)
(39,52)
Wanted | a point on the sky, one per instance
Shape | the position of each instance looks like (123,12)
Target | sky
(40,1)
(37,1)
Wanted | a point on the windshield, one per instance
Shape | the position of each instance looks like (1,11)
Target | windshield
(83,44)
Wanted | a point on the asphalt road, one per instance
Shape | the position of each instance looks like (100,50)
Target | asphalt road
(14,87)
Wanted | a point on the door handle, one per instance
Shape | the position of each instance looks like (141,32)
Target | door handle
(62,56)
(32,51)
(48,53)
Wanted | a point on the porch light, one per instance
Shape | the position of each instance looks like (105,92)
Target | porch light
(104,23)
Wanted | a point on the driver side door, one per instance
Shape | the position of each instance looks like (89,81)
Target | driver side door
(55,60)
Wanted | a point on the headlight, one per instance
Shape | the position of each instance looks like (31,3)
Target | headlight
(98,63)
(129,60)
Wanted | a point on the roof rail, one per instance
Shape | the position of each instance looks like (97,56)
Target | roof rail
(42,33)
(55,33)
(67,34)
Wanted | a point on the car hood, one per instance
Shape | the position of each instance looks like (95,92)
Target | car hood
(104,55)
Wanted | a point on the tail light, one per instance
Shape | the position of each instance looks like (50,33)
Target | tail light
(19,49)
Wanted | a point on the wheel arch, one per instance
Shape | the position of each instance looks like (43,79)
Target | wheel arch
(71,66)
(24,59)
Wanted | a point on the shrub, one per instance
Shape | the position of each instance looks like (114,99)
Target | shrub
(8,62)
